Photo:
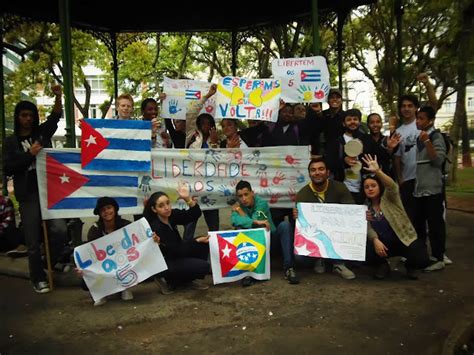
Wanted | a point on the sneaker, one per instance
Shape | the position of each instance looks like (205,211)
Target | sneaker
(100,302)
(41,287)
(18,252)
(290,275)
(127,295)
(438,265)
(319,266)
(343,271)
(163,286)
(382,271)
(446,260)
(199,285)
(247,281)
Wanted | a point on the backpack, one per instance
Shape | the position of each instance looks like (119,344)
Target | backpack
(449,149)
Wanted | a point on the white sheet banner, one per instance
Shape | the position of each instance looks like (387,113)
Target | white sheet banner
(248,99)
(334,231)
(120,259)
(275,173)
(302,79)
(180,94)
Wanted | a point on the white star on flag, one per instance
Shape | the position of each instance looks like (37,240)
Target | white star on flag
(226,251)
(302,250)
(64,178)
(91,140)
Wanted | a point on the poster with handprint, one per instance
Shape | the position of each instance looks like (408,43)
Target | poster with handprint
(212,174)
(303,80)
(181,94)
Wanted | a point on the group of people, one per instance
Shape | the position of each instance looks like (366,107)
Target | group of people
(399,177)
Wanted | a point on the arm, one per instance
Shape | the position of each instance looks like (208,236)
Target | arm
(430,90)
(374,168)
(397,164)
(435,148)
(193,112)
(48,128)
(14,159)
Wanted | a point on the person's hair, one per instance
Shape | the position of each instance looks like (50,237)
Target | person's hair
(26,106)
(373,114)
(235,122)
(373,177)
(242,184)
(146,102)
(148,213)
(353,112)
(125,97)
(202,117)
(100,204)
(317,160)
(408,97)
(430,112)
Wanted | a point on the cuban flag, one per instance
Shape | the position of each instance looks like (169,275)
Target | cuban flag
(116,145)
(68,191)
(310,75)
(192,94)
(240,253)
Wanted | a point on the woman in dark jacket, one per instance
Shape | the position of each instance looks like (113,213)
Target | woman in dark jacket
(186,259)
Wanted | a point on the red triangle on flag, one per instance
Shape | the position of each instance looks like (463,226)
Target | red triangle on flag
(303,75)
(227,255)
(92,143)
(61,181)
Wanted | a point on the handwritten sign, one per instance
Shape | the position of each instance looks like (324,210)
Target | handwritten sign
(213,173)
(181,94)
(248,99)
(335,231)
(302,79)
(120,259)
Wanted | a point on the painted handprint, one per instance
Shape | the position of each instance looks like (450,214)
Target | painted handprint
(173,107)
(292,194)
(225,190)
(306,93)
(263,180)
(254,155)
(292,160)
(207,201)
(214,154)
(299,178)
(321,92)
(262,169)
(279,177)
(145,183)
(274,198)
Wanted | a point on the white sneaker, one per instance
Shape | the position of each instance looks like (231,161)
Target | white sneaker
(41,287)
(446,260)
(127,295)
(319,266)
(100,302)
(343,271)
(438,265)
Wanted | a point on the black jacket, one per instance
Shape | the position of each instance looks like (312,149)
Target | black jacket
(16,162)
(171,243)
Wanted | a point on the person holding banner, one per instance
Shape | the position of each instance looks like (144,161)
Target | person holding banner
(124,106)
(186,259)
(232,134)
(390,230)
(159,137)
(109,221)
(323,190)
(19,160)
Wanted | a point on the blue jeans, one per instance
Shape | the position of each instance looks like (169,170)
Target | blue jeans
(284,232)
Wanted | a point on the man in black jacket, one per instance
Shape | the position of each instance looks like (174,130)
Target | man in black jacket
(19,160)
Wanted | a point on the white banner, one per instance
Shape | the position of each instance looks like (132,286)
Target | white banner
(248,99)
(334,231)
(302,79)
(120,259)
(180,94)
(275,173)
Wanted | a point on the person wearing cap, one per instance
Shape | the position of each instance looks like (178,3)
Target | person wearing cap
(109,221)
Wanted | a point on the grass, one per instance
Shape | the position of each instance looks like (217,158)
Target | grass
(464,185)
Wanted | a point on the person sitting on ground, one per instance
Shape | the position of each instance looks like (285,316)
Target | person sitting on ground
(251,211)
(323,190)
(11,239)
(390,232)
(186,259)
(232,134)
(109,221)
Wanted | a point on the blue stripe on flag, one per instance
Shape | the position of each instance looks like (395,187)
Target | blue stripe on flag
(109,180)
(119,124)
(90,202)
(67,158)
(141,145)
(119,165)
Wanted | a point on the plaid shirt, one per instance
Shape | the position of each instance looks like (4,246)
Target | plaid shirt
(7,212)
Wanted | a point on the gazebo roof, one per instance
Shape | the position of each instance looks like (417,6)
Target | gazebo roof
(174,16)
